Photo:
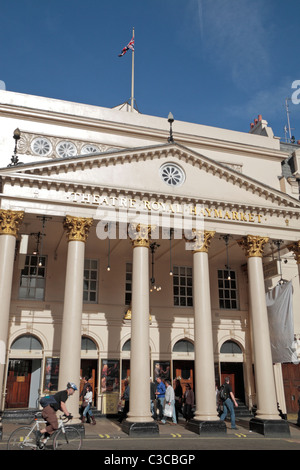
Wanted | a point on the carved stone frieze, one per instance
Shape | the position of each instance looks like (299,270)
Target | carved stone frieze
(48,146)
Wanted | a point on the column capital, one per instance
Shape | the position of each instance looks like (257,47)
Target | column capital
(201,241)
(253,245)
(77,228)
(10,222)
(140,234)
(295,248)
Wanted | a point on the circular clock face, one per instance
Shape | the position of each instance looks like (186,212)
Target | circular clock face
(41,146)
(66,149)
(172,174)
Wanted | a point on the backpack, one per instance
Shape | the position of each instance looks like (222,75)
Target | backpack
(48,400)
(223,393)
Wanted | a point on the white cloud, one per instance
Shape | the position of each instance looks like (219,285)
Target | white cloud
(271,104)
(235,38)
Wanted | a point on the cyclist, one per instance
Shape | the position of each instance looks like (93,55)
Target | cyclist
(49,412)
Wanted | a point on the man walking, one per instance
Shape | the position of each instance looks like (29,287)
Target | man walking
(160,395)
(228,401)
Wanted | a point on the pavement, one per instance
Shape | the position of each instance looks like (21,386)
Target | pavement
(107,435)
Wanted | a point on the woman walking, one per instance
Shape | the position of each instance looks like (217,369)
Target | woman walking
(88,399)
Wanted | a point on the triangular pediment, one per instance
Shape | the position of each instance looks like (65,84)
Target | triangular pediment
(140,171)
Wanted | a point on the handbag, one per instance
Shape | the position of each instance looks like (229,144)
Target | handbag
(168,410)
(85,403)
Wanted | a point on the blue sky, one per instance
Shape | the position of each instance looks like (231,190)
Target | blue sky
(212,62)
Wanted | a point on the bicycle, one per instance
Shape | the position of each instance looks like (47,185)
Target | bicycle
(26,437)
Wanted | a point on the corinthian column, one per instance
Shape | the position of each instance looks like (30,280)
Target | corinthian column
(70,352)
(139,420)
(206,420)
(267,418)
(9,227)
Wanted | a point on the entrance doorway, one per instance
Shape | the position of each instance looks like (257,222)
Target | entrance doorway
(18,383)
(24,373)
(291,383)
(234,370)
(89,369)
(184,370)
(23,383)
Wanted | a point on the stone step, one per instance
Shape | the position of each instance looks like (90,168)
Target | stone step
(27,414)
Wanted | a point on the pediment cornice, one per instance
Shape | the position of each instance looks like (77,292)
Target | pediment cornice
(44,174)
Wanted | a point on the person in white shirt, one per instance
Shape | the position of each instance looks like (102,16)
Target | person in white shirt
(170,400)
(88,399)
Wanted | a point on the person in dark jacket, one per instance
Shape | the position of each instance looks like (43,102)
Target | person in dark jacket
(83,393)
(160,396)
(152,398)
(178,398)
(189,401)
(228,404)
(125,397)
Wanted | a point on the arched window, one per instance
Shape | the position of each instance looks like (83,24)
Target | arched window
(127,345)
(88,344)
(230,347)
(183,346)
(27,342)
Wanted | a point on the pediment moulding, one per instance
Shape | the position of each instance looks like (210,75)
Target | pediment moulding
(57,147)
(65,167)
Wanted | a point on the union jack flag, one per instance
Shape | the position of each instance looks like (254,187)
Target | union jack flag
(130,45)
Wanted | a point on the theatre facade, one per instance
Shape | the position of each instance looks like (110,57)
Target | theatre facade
(130,249)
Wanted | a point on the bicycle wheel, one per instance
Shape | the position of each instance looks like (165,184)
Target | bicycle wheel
(68,438)
(22,439)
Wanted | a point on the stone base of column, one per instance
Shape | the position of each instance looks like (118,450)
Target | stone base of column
(270,427)
(207,428)
(140,429)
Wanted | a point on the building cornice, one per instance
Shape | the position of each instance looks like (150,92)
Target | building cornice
(149,131)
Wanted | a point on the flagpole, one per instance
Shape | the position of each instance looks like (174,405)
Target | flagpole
(132,76)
